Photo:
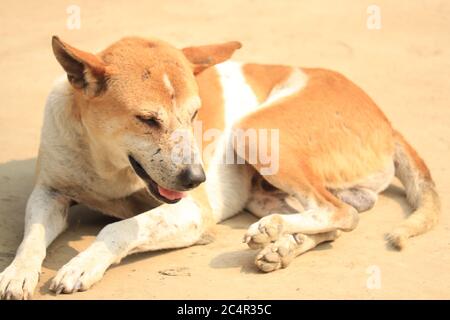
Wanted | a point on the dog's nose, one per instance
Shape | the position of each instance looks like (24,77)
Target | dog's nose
(192,176)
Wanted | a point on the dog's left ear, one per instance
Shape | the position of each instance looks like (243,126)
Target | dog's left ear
(85,71)
(203,57)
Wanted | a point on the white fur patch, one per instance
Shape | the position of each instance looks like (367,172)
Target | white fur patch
(227,185)
(168,84)
(227,190)
(239,98)
(294,83)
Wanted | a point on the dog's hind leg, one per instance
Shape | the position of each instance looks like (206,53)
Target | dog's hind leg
(265,200)
(324,213)
(169,226)
(45,219)
(282,237)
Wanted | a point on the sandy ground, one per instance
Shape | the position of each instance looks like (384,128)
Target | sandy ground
(405,67)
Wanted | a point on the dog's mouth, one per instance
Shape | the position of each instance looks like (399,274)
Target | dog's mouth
(160,193)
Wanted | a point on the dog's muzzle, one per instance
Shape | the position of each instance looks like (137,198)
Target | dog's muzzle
(160,193)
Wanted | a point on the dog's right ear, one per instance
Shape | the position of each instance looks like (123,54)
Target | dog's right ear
(85,71)
(203,57)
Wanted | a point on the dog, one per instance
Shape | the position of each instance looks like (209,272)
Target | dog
(108,142)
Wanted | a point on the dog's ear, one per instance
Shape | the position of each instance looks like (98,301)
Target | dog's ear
(203,57)
(85,71)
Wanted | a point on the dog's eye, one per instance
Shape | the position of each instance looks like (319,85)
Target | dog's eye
(194,115)
(151,121)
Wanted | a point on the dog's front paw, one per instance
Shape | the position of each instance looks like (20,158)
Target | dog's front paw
(265,231)
(277,255)
(79,274)
(17,282)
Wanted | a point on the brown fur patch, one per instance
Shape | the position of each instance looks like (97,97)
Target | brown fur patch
(262,78)
(203,57)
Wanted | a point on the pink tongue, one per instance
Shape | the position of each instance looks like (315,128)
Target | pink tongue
(170,194)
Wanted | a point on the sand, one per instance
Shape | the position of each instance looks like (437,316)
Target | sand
(404,66)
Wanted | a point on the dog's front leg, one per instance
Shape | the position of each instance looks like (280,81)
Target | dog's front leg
(45,219)
(168,226)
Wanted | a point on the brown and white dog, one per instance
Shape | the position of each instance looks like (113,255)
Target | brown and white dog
(107,142)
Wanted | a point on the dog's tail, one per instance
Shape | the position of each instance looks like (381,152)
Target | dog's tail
(421,193)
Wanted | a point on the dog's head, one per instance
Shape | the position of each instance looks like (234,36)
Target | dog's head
(134,96)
